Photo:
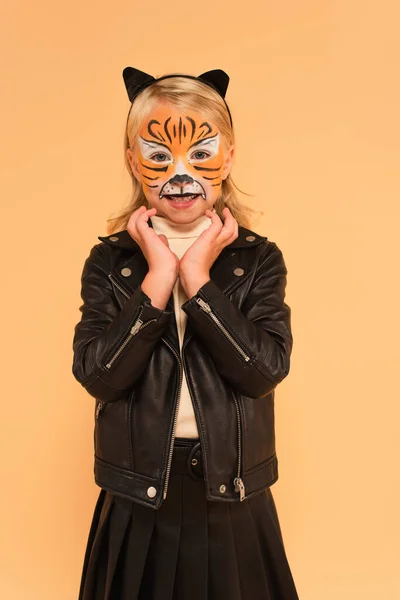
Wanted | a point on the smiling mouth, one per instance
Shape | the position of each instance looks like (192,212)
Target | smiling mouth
(181,197)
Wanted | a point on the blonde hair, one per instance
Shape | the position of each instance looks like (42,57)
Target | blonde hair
(186,94)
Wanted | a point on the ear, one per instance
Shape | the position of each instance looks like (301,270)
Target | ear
(131,158)
(134,80)
(228,162)
(218,78)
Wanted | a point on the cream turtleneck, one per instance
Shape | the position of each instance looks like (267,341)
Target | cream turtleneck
(180,236)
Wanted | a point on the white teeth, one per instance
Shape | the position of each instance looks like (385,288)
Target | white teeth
(184,199)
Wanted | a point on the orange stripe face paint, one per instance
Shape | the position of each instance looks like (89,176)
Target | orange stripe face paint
(180,155)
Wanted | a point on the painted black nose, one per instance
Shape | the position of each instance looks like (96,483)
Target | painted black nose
(181,179)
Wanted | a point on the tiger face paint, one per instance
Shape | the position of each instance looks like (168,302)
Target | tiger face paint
(181,160)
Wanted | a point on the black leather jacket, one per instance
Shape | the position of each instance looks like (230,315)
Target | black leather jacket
(236,350)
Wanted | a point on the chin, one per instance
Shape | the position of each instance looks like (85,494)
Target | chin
(184,213)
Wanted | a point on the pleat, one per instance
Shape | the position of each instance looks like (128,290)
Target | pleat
(133,553)
(191,579)
(98,530)
(160,567)
(223,581)
(119,521)
(249,558)
(269,533)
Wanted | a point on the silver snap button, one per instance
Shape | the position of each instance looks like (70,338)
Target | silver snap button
(114,238)
(194,461)
(250,238)
(233,253)
(222,488)
(239,271)
(126,272)
(151,492)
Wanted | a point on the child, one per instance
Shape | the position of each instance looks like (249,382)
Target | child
(183,337)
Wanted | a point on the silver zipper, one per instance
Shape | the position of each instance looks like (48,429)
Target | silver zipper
(171,448)
(207,308)
(238,481)
(121,289)
(99,408)
(134,329)
(138,325)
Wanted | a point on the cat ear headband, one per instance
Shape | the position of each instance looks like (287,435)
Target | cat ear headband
(136,81)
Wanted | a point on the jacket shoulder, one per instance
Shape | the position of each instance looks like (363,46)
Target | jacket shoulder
(267,247)
(119,239)
(97,260)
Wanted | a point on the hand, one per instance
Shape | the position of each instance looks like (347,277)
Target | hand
(163,263)
(195,264)
(155,247)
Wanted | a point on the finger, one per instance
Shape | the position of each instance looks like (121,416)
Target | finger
(164,239)
(136,214)
(144,215)
(226,231)
(230,227)
(236,225)
(132,223)
(216,223)
(235,230)
(142,221)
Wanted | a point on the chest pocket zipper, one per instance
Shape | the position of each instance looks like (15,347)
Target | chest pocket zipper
(119,286)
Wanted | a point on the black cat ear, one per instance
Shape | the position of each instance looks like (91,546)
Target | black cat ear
(218,78)
(135,80)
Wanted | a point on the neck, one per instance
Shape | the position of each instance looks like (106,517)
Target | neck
(170,228)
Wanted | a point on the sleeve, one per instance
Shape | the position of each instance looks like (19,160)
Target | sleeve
(251,346)
(111,347)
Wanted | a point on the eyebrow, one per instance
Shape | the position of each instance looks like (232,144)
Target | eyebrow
(198,143)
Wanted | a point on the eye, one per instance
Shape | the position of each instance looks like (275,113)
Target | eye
(163,157)
(205,154)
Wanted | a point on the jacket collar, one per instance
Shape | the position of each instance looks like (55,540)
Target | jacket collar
(122,239)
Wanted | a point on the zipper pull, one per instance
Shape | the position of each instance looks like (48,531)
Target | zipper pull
(136,326)
(99,408)
(206,307)
(239,487)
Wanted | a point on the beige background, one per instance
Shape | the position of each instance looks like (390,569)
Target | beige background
(315,98)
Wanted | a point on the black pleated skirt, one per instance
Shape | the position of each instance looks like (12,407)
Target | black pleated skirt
(189,549)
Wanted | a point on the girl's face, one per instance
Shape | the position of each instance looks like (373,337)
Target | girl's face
(180,158)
